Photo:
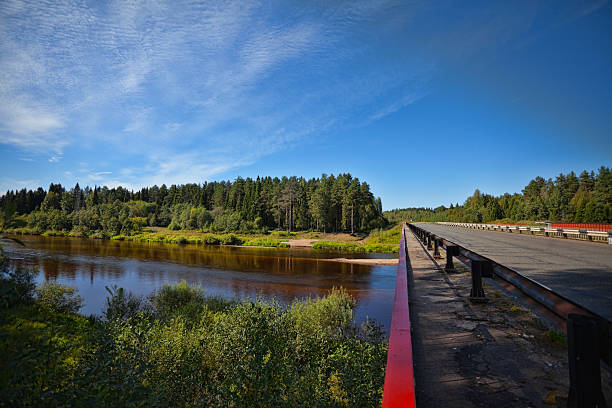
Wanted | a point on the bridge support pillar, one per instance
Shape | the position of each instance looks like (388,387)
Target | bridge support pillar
(436,253)
(451,250)
(429,247)
(477,294)
(583,357)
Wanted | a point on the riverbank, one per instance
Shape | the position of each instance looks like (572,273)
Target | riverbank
(362,261)
(378,241)
(308,353)
(223,270)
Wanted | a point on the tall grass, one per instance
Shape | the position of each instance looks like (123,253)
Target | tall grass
(353,247)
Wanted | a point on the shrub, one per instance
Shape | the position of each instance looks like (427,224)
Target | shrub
(59,298)
(234,354)
(122,305)
(385,236)
(41,350)
(211,239)
(16,284)
(351,247)
(330,315)
(178,299)
(79,231)
(265,242)
(230,239)
(218,303)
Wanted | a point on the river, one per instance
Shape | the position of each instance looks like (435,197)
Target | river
(231,272)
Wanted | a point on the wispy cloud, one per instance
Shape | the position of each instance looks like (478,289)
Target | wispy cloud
(246,77)
(30,128)
(395,106)
(8,183)
(138,121)
(99,175)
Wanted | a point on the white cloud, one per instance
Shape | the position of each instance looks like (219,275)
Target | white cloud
(30,128)
(395,106)
(99,175)
(179,76)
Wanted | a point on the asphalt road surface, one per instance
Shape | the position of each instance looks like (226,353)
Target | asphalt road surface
(579,270)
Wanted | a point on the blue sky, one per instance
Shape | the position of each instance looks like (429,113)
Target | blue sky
(426,101)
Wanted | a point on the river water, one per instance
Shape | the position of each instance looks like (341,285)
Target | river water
(231,272)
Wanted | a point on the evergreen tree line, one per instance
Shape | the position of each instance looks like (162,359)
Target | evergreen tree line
(586,198)
(329,203)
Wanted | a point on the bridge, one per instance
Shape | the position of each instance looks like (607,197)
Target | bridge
(449,344)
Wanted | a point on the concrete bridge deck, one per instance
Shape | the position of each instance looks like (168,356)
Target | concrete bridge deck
(474,355)
(578,270)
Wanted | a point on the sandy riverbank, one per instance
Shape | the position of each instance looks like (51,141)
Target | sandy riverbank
(365,261)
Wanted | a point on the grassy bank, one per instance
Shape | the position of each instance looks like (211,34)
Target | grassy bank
(378,241)
(359,248)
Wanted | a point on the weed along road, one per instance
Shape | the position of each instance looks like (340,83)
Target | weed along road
(578,270)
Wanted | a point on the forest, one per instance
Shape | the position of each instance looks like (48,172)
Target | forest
(339,203)
(327,204)
(586,198)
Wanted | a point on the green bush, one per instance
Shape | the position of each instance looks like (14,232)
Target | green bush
(59,298)
(42,354)
(178,299)
(265,242)
(16,284)
(210,239)
(234,354)
(122,305)
(218,303)
(327,317)
(351,247)
(230,239)
(385,236)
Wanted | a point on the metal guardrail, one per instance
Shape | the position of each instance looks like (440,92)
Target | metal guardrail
(589,334)
(591,235)
(399,375)
(590,227)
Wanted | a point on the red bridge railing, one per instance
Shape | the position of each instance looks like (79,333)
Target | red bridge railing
(590,227)
(399,375)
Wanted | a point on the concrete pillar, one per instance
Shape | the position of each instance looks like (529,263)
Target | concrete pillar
(451,250)
(477,294)
(436,253)
(583,357)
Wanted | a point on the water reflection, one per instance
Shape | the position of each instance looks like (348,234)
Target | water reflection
(227,271)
